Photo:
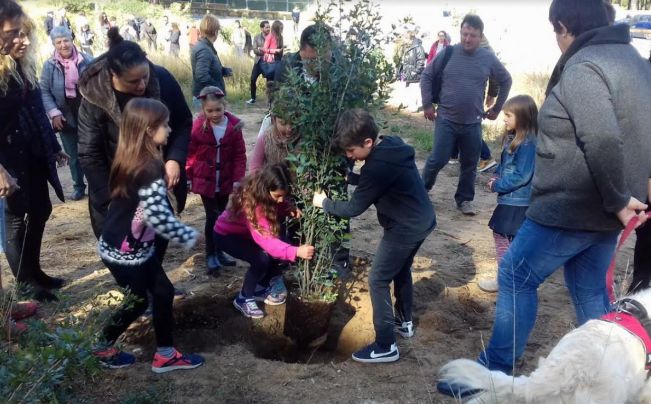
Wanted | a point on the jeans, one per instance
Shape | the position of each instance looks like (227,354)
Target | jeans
(69,139)
(140,279)
(255,73)
(447,134)
(213,208)
(262,268)
(392,263)
(536,253)
(484,155)
(26,212)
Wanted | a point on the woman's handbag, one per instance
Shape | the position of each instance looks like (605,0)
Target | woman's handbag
(268,69)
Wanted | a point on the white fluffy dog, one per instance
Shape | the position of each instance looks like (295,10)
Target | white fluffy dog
(599,362)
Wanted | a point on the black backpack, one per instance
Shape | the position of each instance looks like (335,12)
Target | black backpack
(437,81)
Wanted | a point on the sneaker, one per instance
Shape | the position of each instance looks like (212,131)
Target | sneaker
(456,390)
(21,310)
(212,263)
(44,296)
(405,328)
(453,161)
(49,282)
(267,296)
(179,294)
(486,165)
(113,358)
(251,101)
(488,285)
(161,364)
(248,307)
(76,195)
(374,353)
(225,260)
(278,288)
(467,208)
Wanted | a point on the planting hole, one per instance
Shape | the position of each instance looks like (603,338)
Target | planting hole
(208,323)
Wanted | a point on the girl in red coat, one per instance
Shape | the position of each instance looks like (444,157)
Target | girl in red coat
(215,165)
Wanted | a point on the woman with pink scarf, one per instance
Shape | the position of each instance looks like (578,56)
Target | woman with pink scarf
(61,98)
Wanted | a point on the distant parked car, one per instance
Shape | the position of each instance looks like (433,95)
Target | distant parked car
(641,29)
(640,25)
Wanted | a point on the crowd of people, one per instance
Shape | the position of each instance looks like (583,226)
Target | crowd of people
(570,176)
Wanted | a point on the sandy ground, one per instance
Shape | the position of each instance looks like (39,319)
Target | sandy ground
(247,361)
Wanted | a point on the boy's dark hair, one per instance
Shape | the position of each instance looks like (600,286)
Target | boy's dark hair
(353,127)
(310,35)
(263,23)
(578,16)
(473,21)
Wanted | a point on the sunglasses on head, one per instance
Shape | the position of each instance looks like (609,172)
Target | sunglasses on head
(217,93)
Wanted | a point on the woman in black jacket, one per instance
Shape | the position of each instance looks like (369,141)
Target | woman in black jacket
(107,85)
(29,152)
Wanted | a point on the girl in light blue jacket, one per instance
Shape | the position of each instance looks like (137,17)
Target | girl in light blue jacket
(512,180)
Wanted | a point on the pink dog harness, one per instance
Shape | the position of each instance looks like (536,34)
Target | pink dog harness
(632,316)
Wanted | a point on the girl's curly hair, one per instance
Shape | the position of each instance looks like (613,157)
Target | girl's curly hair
(255,193)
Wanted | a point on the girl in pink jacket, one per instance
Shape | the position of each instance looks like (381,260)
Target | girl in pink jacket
(250,228)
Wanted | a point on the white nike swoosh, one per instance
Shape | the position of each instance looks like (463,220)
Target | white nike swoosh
(374,355)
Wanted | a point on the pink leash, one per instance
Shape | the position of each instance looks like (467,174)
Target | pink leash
(610,275)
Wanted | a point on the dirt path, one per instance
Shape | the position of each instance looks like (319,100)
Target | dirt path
(452,315)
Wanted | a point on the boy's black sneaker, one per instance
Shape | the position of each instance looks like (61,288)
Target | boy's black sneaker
(374,353)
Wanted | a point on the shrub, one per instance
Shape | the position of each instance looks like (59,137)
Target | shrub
(47,361)
(357,75)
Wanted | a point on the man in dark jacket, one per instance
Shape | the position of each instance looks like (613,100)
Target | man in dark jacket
(99,114)
(258,44)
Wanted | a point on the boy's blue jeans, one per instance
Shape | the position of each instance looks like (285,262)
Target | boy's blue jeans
(536,252)
(448,135)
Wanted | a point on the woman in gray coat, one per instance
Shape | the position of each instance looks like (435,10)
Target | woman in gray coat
(207,69)
(61,98)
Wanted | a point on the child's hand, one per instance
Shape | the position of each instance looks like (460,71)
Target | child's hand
(319,197)
(490,184)
(296,213)
(305,251)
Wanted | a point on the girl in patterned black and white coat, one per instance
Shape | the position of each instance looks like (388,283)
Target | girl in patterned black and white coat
(138,211)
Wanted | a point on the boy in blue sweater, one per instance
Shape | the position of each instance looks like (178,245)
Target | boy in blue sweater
(390,180)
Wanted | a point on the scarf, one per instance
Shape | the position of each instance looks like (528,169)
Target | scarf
(615,34)
(70,71)
(276,147)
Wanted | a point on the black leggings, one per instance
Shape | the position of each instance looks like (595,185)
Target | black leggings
(140,279)
(213,208)
(263,267)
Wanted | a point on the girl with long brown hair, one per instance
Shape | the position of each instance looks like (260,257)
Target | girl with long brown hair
(250,229)
(512,180)
(138,211)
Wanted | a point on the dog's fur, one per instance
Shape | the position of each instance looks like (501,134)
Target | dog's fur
(599,362)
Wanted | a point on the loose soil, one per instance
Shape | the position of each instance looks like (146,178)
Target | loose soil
(251,361)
